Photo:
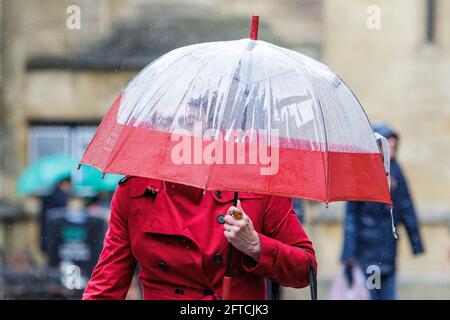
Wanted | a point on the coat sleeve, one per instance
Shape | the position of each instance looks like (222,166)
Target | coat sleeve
(350,231)
(286,251)
(114,271)
(408,215)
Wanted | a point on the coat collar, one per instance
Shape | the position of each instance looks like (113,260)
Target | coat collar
(141,186)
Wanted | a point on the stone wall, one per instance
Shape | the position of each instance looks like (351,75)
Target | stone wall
(400,78)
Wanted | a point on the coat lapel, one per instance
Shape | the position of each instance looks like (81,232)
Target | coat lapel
(169,223)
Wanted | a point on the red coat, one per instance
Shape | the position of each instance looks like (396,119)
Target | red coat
(175,234)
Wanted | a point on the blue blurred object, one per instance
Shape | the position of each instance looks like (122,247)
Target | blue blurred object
(385,130)
(42,176)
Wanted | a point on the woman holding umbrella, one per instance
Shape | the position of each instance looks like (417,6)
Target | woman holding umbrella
(178,235)
(283,111)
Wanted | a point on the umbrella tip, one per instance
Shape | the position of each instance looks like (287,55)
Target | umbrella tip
(254,28)
(79,166)
(103,175)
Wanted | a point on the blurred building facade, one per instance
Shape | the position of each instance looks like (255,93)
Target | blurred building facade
(56,83)
(400,71)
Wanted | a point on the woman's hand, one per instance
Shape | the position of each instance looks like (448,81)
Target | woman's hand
(241,234)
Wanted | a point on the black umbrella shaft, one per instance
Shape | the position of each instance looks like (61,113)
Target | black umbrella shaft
(230,246)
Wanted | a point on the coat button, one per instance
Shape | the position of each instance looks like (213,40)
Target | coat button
(179,291)
(221,219)
(163,266)
(151,190)
(208,292)
(219,194)
(218,258)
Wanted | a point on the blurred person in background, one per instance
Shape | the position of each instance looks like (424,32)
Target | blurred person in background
(99,204)
(368,238)
(58,198)
(75,240)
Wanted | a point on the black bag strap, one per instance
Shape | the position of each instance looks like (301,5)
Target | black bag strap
(312,276)
(312,279)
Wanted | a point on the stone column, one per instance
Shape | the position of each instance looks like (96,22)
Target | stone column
(13,134)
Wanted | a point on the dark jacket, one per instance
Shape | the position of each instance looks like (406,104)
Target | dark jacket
(75,238)
(367,227)
(57,199)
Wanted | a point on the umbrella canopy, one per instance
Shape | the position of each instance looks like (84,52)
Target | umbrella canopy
(243,115)
(89,181)
(41,176)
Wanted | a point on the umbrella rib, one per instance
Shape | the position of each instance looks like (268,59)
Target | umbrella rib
(269,123)
(356,98)
(229,88)
(191,82)
(113,154)
(326,160)
(167,80)
(219,124)
(163,151)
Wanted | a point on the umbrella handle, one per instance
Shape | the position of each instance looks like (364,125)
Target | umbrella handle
(226,285)
(226,288)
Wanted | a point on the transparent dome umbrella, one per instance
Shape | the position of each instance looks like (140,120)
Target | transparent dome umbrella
(243,115)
